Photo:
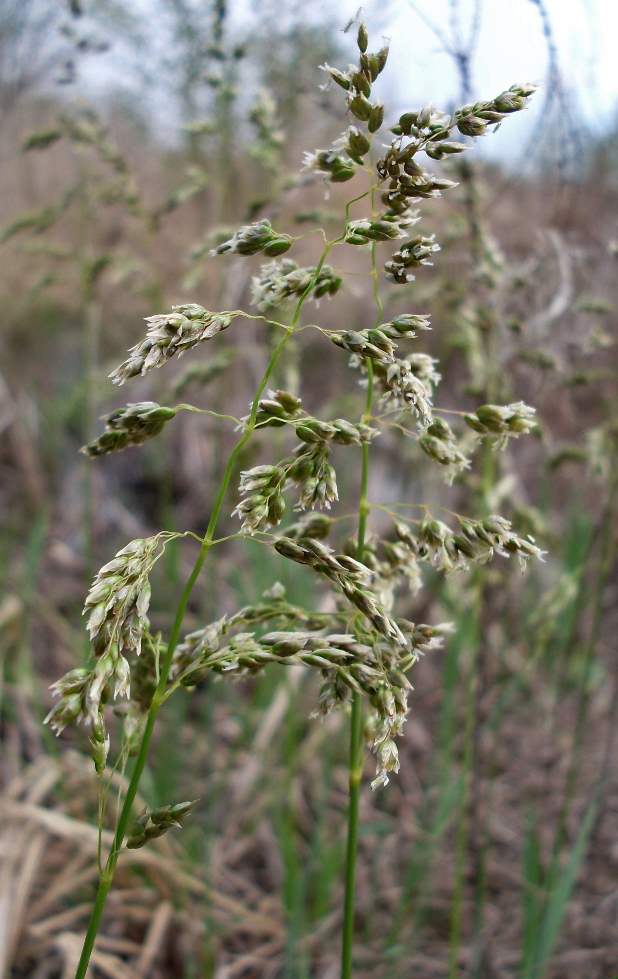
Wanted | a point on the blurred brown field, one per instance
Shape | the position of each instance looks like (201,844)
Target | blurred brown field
(493,853)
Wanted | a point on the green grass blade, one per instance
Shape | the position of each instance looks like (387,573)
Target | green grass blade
(532,894)
(560,895)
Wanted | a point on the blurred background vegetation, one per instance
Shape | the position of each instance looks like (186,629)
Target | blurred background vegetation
(132,137)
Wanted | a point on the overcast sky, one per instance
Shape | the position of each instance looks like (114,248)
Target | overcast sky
(510,48)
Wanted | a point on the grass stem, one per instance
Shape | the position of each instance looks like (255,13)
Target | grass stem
(356,754)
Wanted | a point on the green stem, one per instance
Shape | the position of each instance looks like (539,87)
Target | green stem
(91,324)
(356,753)
(159,695)
(467,776)
(356,772)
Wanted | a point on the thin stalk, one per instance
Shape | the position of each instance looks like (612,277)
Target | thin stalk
(477,807)
(472,828)
(122,826)
(90,312)
(356,772)
(467,774)
(356,760)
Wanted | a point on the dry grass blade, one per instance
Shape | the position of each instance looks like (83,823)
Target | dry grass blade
(54,822)
(13,845)
(563,297)
(107,965)
(262,956)
(35,923)
(35,782)
(57,923)
(73,877)
(32,855)
(9,609)
(155,936)
(71,829)
(22,846)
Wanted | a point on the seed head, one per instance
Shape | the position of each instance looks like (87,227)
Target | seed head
(279,282)
(329,165)
(118,600)
(504,421)
(169,334)
(151,825)
(402,388)
(129,426)
(254,238)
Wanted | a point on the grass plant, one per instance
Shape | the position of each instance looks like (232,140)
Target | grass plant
(361,648)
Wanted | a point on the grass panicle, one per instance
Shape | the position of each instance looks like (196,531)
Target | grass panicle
(363,649)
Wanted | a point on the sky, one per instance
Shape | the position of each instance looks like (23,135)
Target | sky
(510,48)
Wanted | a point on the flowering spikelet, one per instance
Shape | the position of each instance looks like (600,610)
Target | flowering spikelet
(195,648)
(308,467)
(151,825)
(281,281)
(350,575)
(330,165)
(129,426)
(402,387)
(347,665)
(476,544)
(119,598)
(83,694)
(367,343)
(169,334)
(265,506)
(254,238)
(405,325)
(504,421)
(412,254)
(72,691)
(117,605)
(438,442)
